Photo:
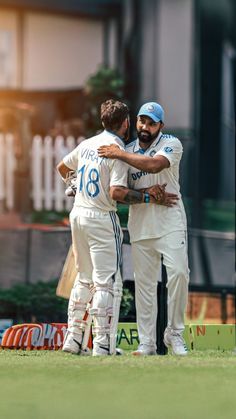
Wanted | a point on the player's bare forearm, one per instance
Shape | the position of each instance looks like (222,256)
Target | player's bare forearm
(125,195)
(145,163)
(63,169)
(131,196)
(128,196)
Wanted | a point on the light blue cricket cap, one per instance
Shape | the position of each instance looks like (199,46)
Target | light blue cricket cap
(153,110)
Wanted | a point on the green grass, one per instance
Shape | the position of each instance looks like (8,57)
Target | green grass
(43,385)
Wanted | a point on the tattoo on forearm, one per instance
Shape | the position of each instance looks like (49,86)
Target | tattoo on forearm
(133,197)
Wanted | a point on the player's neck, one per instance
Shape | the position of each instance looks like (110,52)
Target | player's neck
(118,133)
(146,145)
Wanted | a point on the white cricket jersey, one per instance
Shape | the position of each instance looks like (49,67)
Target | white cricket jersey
(95,175)
(151,220)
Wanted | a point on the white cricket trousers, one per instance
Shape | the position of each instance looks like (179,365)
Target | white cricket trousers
(97,244)
(146,255)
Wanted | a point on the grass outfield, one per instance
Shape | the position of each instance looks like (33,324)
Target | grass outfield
(48,385)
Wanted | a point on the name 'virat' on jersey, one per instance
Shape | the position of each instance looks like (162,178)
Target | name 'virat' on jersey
(95,175)
(150,220)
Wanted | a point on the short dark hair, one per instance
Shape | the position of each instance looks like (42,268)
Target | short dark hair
(113,113)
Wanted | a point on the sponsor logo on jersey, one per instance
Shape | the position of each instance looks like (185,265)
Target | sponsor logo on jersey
(168,149)
(152,153)
(138,175)
(168,136)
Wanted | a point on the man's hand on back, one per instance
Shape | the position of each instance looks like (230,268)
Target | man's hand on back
(112,151)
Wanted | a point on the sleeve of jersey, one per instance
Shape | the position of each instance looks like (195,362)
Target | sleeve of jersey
(71,159)
(172,150)
(119,174)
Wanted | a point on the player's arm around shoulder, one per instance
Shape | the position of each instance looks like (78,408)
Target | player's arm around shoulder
(170,153)
(144,163)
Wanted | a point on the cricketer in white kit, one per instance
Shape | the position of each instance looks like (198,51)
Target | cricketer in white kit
(97,235)
(156,231)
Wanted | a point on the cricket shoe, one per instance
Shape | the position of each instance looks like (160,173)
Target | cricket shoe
(99,350)
(144,350)
(175,342)
(71,343)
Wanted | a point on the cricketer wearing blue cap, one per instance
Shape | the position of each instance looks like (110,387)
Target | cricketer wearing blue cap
(153,110)
(155,230)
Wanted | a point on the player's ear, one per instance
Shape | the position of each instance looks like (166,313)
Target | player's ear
(162,125)
(124,124)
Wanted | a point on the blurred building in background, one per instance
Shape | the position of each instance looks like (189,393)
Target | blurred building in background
(48,49)
(178,52)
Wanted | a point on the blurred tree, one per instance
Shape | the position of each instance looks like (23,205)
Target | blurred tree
(105,84)
(33,302)
(39,303)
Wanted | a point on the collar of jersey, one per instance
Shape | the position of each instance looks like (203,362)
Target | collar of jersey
(139,150)
(115,136)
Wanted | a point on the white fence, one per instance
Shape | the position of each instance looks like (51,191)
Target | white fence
(47,188)
(7,167)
